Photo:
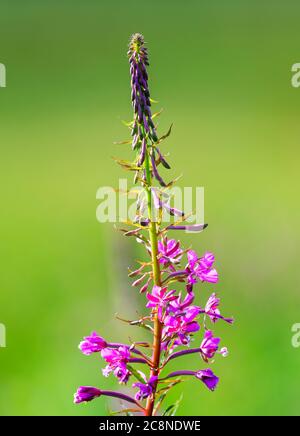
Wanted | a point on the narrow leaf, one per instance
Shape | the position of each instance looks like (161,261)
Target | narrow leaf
(136,374)
(165,135)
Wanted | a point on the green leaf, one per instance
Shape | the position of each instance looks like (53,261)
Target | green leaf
(141,324)
(165,135)
(156,114)
(136,374)
(129,141)
(127,123)
(138,323)
(172,409)
(164,391)
(160,400)
(127,165)
(128,412)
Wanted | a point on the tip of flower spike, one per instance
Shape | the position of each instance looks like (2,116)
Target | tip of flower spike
(136,42)
(137,39)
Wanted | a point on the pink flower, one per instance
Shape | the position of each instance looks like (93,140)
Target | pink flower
(145,389)
(181,326)
(92,344)
(205,375)
(209,345)
(160,297)
(208,378)
(211,309)
(179,305)
(86,393)
(201,269)
(117,360)
(207,260)
(169,250)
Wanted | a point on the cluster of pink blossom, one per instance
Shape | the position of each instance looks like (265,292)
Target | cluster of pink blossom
(180,319)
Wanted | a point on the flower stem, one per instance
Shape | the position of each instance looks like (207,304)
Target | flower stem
(157,281)
(121,396)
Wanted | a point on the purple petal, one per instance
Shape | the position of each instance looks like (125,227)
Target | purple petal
(208,378)
(192,327)
(86,393)
(189,228)
(210,276)
(192,258)
(92,344)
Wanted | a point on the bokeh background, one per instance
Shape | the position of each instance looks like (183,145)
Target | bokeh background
(222,73)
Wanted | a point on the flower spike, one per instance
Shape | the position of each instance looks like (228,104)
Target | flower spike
(174,319)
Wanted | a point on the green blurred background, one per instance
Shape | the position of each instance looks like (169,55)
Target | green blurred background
(222,73)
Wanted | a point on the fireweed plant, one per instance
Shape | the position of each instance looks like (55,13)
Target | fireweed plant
(173,318)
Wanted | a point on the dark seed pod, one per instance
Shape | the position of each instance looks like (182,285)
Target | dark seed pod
(162,159)
(142,152)
(155,172)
